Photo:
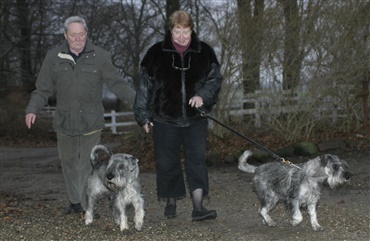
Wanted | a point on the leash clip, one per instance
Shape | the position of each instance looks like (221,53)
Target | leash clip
(202,112)
(289,163)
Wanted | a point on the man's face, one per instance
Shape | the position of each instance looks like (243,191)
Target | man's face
(76,37)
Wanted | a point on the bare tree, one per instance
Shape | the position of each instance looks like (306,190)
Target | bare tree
(317,49)
(292,55)
(23,31)
(134,27)
(171,6)
(251,24)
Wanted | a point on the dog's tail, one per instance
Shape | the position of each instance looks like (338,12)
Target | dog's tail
(100,154)
(243,165)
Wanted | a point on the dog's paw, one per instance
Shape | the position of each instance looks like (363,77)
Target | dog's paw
(270,223)
(318,228)
(123,226)
(295,222)
(139,225)
(88,218)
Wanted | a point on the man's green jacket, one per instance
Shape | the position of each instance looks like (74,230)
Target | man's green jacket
(78,87)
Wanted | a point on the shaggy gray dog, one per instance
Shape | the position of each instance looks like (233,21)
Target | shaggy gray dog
(298,186)
(118,175)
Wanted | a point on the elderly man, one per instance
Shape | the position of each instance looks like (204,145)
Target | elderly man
(75,71)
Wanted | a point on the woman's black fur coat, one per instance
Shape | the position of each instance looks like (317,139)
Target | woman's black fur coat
(164,90)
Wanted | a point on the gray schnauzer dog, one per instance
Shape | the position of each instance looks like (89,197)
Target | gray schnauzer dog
(298,186)
(117,175)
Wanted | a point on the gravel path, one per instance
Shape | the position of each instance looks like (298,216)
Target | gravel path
(32,200)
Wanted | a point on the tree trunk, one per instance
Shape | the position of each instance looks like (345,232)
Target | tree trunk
(365,98)
(171,6)
(24,44)
(251,37)
(292,60)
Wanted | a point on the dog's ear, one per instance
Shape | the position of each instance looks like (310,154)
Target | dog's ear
(325,159)
(99,154)
(102,156)
(134,167)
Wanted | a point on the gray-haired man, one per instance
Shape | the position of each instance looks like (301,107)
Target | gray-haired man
(75,71)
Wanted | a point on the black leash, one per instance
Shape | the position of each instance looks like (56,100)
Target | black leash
(274,155)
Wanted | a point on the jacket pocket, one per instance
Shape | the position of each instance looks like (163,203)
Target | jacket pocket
(62,69)
(89,75)
(91,120)
(61,120)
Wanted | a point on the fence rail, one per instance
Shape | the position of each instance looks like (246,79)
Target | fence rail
(264,105)
(114,124)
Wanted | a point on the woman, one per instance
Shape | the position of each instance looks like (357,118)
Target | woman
(177,76)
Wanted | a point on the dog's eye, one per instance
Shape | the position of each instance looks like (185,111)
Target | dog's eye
(336,167)
(121,167)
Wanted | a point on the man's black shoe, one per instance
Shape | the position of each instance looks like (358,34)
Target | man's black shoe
(204,214)
(170,211)
(74,208)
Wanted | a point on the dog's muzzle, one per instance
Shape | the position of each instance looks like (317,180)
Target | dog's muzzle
(110,176)
(347,176)
(110,184)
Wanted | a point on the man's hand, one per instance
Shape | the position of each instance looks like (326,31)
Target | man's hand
(30,120)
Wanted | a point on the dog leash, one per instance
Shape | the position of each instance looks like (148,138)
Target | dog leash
(274,155)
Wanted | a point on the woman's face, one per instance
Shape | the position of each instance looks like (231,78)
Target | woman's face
(181,35)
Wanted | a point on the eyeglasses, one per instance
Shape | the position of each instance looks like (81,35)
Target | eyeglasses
(184,33)
(178,68)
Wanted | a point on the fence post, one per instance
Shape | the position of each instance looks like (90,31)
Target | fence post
(257,114)
(113,128)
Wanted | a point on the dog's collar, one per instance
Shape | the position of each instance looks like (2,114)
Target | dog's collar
(290,163)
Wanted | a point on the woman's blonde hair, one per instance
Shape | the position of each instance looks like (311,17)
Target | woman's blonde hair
(181,18)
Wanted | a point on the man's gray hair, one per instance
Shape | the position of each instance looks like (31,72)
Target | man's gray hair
(74,19)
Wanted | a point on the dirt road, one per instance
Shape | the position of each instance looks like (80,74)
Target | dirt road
(32,198)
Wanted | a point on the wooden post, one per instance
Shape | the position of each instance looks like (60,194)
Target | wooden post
(113,128)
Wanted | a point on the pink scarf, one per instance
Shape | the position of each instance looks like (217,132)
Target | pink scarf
(180,48)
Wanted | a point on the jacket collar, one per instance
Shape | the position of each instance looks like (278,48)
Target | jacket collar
(194,44)
(88,47)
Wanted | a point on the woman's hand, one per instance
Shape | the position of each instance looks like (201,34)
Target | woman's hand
(196,101)
(148,126)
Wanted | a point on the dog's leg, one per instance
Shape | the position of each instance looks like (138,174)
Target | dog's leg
(89,213)
(266,218)
(297,215)
(139,213)
(123,220)
(266,207)
(312,212)
(120,209)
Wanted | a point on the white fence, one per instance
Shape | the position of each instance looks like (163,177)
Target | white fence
(48,111)
(114,124)
(261,105)
(264,105)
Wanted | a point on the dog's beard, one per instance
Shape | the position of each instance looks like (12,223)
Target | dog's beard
(112,185)
(335,181)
